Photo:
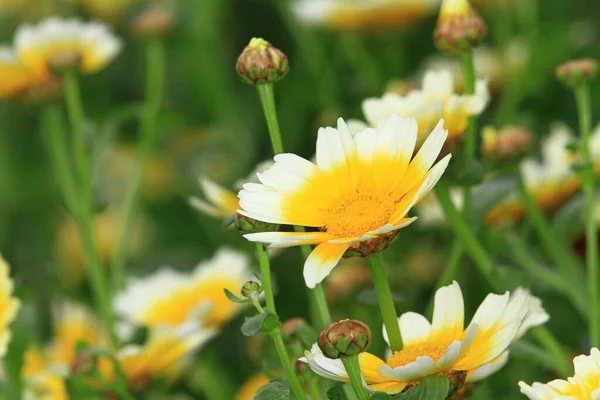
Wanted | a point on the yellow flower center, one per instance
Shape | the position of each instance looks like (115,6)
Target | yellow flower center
(355,215)
(410,353)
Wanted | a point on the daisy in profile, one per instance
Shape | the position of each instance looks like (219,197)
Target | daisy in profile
(27,64)
(9,305)
(442,347)
(171,298)
(355,198)
(436,99)
(584,385)
(363,14)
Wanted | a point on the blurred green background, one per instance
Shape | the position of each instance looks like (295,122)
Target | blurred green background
(212,124)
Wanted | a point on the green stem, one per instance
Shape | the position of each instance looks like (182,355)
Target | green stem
(349,392)
(467,240)
(470,149)
(550,241)
(85,215)
(267,99)
(385,300)
(582,96)
(313,386)
(265,275)
(545,338)
(155,66)
(287,366)
(353,370)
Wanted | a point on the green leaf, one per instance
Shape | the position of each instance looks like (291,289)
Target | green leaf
(264,322)
(432,388)
(273,391)
(234,298)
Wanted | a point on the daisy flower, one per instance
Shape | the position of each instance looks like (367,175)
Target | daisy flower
(441,347)
(172,298)
(436,99)
(363,14)
(9,305)
(584,385)
(357,196)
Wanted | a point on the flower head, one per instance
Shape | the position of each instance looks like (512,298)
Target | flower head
(351,195)
(459,28)
(585,384)
(437,99)
(441,347)
(578,72)
(261,62)
(172,298)
(361,14)
(9,306)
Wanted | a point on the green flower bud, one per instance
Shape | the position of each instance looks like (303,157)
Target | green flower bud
(459,27)
(345,338)
(250,225)
(251,288)
(260,62)
(577,72)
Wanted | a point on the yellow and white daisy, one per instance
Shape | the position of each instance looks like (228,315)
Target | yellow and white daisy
(551,180)
(358,194)
(220,202)
(436,99)
(441,347)
(171,298)
(363,14)
(584,385)
(9,305)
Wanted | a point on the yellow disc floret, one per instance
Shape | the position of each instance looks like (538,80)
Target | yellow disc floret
(355,215)
(410,353)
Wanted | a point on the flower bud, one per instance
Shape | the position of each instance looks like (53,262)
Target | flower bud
(577,72)
(509,143)
(250,225)
(288,329)
(251,288)
(345,338)
(260,62)
(153,22)
(459,27)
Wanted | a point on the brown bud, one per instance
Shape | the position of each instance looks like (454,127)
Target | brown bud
(288,329)
(345,338)
(375,245)
(459,27)
(510,143)
(250,225)
(260,62)
(153,22)
(577,72)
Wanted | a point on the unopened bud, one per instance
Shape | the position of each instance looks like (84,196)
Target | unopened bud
(345,338)
(64,61)
(250,225)
(509,143)
(288,329)
(153,22)
(459,27)
(260,62)
(577,72)
(251,288)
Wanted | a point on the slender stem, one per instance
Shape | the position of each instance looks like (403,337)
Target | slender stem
(545,338)
(353,370)
(287,366)
(470,149)
(582,95)
(155,66)
(85,215)
(550,241)
(265,91)
(468,241)
(449,273)
(349,392)
(313,386)
(385,300)
(265,275)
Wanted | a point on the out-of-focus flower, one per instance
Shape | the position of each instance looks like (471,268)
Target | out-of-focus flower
(585,384)
(437,99)
(350,194)
(430,211)
(506,144)
(363,14)
(345,280)
(441,347)
(578,72)
(497,68)
(425,263)
(53,41)
(222,203)
(153,22)
(109,11)
(172,298)
(9,305)
(551,181)
(251,386)
(106,227)
(459,28)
